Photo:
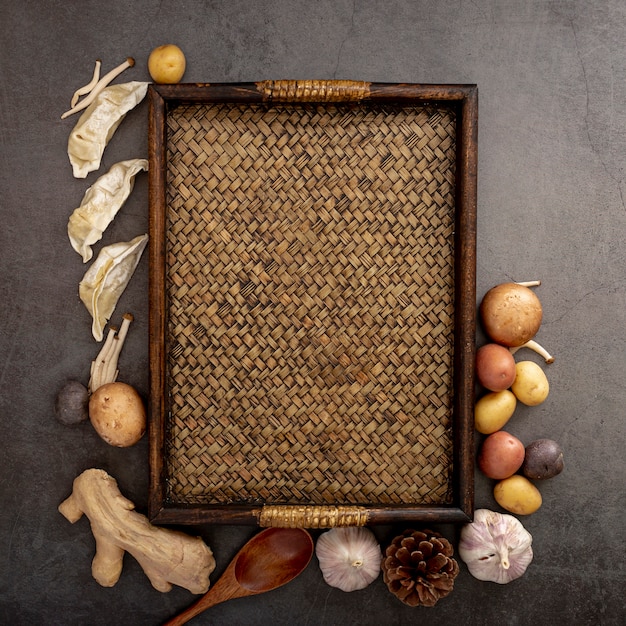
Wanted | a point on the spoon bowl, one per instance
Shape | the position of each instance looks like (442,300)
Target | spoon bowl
(271,559)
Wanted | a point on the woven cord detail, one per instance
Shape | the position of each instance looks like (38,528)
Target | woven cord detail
(314,90)
(294,516)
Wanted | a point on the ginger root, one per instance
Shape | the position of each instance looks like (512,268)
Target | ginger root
(166,556)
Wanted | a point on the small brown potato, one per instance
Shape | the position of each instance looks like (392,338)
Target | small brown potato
(167,64)
(495,367)
(511,314)
(543,459)
(493,411)
(517,495)
(117,413)
(531,385)
(500,455)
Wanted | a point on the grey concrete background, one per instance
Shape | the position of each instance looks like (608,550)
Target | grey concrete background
(552,185)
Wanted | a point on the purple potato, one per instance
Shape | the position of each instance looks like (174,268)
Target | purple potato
(543,459)
(72,403)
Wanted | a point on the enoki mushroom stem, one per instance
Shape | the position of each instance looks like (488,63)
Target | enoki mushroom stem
(104,368)
(98,87)
(111,371)
(539,349)
(98,364)
(89,86)
(529,283)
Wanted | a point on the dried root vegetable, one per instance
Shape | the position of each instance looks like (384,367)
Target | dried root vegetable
(100,205)
(168,557)
(99,122)
(107,277)
(93,89)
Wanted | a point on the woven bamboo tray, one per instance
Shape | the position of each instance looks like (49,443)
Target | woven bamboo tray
(312,302)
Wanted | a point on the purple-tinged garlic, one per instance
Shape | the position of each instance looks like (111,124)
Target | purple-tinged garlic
(349,558)
(495,547)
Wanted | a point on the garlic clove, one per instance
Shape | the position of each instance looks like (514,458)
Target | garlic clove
(349,558)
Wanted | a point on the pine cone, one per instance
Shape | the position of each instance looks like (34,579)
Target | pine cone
(418,567)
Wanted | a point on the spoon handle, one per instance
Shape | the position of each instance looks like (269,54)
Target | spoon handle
(206,601)
(189,613)
(184,617)
(224,589)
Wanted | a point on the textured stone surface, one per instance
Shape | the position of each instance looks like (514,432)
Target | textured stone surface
(552,205)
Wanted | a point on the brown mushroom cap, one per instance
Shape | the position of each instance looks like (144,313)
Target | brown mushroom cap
(117,414)
(511,314)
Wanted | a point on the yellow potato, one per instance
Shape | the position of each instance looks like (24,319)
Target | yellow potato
(517,495)
(167,64)
(493,411)
(117,414)
(531,384)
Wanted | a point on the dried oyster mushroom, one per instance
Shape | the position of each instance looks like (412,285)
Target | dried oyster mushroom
(99,122)
(100,205)
(105,280)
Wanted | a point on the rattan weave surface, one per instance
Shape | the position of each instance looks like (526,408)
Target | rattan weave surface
(310,291)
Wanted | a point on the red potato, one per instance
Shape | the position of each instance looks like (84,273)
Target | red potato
(495,367)
(501,455)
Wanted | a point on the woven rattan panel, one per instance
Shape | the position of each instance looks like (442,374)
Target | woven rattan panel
(310,304)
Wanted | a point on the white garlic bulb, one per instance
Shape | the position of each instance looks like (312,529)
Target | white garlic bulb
(495,547)
(349,558)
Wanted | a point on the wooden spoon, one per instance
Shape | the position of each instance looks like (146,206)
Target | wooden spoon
(269,560)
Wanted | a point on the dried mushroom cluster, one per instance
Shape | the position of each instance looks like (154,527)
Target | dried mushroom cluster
(104,107)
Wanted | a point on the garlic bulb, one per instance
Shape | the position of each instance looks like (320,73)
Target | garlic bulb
(495,547)
(349,558)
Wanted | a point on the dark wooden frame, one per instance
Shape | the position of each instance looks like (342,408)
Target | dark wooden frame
(464,99)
